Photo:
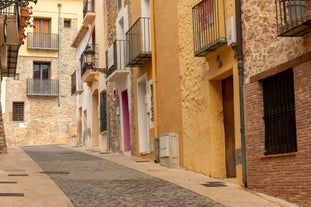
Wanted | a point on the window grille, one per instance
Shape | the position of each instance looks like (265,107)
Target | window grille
(18,111)
(279,113)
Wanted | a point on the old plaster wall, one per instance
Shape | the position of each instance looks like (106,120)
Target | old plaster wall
(194,96)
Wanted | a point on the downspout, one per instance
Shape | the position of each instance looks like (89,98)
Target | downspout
(241,84)
(154,80)
(58,56)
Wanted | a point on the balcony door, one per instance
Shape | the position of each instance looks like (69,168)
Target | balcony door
(41,75)
(42,32)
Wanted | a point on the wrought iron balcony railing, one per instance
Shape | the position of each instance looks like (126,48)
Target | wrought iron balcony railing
(138,39)
(88,6)
(42,41)
(115,57)
(76,87)
(293,18)
(209,32)
(22,3)
(42,87)
(9,10)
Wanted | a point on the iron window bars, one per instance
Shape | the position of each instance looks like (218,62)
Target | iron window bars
(279,113)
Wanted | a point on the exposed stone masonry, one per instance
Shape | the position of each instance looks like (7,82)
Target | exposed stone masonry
(44,121)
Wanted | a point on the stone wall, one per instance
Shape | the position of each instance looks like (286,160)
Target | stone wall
(47,119)
(114,119)
(263,49)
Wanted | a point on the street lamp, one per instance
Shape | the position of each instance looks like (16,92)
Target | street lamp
(89,59)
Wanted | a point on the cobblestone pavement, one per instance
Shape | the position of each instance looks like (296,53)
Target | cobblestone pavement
(90,181)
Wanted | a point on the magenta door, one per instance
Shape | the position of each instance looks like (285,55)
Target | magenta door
(126,122)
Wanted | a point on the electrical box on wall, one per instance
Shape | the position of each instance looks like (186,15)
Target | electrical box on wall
(169,150)
(231,32)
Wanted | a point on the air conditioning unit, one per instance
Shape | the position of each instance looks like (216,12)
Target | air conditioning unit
(231,32)
(169,150)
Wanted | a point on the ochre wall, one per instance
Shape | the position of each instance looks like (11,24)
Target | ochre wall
(201,95)
(167,69)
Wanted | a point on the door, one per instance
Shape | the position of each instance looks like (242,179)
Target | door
(41,74)
(228,110)
(143,134)
(126,121)
(42,33)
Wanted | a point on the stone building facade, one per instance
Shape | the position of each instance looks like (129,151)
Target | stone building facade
(278,165)
(46,119)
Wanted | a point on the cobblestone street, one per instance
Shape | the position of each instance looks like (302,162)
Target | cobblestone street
(90,181)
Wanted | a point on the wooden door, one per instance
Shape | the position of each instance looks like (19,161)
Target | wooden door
(228,110)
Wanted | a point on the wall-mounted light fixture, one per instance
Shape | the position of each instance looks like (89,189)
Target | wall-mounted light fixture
(89,59)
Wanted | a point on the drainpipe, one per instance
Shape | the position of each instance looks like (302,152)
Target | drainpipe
(241,83)
(154,79)
(58,56)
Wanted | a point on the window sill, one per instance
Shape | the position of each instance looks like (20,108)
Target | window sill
(290,154)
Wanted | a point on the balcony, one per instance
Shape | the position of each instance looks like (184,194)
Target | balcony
(42,87)
(115,58)
(293,18)
(88,11)
(76,87)
(208,19)
(139,42)
(89,75)
(42,41)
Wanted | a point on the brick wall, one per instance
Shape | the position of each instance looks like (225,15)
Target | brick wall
(287,176)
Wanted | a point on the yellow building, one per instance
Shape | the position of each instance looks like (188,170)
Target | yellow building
(186,103)
(210,89)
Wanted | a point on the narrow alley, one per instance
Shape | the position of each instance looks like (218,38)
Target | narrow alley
(93,178)
(90,181)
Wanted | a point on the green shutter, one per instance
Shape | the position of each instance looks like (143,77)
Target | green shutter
(103,111)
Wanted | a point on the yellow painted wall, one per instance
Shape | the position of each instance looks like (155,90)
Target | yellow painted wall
(135,10)
(71,9)
(167,69)
(201,94)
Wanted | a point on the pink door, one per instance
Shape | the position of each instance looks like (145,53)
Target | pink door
(126,122)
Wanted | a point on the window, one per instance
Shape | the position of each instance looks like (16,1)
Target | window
(279,113)
(42,25)
(18,111)
(41,71)
(67,23)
